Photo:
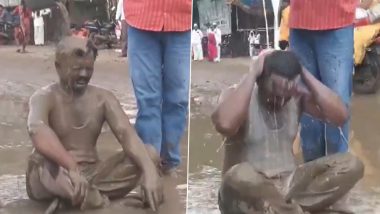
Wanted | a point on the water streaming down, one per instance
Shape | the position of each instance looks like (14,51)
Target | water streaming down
(275,123)
(264,148)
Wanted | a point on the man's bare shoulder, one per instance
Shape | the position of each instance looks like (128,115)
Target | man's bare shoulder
(102,93)
(44,92)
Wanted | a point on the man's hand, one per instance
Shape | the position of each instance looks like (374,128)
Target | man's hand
(80,186)
(257,64)
(152,189)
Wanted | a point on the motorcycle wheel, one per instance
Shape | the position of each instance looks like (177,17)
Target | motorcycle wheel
(367,77)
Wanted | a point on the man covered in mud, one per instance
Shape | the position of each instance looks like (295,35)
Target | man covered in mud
(260,118)
(64,123)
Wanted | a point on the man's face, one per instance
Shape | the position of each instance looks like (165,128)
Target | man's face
(77,72)
(280,89)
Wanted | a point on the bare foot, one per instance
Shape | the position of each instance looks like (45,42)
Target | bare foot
(170,172)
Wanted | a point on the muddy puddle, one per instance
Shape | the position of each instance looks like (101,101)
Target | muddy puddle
(206,152)
(16,86)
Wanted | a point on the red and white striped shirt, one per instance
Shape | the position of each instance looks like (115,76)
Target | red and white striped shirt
(159,15)
(322,14)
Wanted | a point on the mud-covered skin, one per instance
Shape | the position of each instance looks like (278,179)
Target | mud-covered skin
(253,184)
(76,123)
(64,122)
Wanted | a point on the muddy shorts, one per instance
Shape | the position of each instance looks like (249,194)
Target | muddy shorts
(313,186)
(230,203)
(114,177)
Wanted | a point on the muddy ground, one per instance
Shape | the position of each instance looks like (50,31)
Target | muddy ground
(206,152)
(20,76)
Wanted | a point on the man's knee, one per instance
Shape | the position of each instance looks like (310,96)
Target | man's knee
(349,164)
(355,166)
(241,175)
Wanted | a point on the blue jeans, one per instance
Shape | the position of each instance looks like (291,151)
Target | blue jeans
(159,63)
(328,55)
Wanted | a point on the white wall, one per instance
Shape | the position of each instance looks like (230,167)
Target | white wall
(8,3)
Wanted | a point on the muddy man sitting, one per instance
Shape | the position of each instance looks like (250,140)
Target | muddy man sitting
(260,119)
(64,123)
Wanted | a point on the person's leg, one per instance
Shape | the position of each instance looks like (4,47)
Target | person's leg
(218,48)
(335,51)
(145,67)
(176,76)
(318,184)
(244,190)
(118,175)
(124,44)
(311,129)
(42,33)
(195,52)
(34,188)
(200,51)
(36,39)
(250,50)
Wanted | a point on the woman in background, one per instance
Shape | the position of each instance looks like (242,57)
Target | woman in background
(22,32)
(212,50)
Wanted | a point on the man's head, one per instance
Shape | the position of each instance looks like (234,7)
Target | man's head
(281,73)
(214,25)
(195,26)
(74,62)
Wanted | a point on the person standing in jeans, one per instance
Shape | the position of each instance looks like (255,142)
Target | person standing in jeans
(124,34)
(159,39)
(321,35)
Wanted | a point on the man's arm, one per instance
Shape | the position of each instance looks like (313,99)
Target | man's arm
(43,137)
(132,146)
(322,102)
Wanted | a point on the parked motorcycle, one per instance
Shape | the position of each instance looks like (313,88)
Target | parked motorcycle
(225,49)
(366,79)
(6,32)
(101,32)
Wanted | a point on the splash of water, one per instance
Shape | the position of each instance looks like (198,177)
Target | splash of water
(345,140)
(275,134)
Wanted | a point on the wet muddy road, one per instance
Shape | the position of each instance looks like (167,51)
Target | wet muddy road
(206,151)
(20,76)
